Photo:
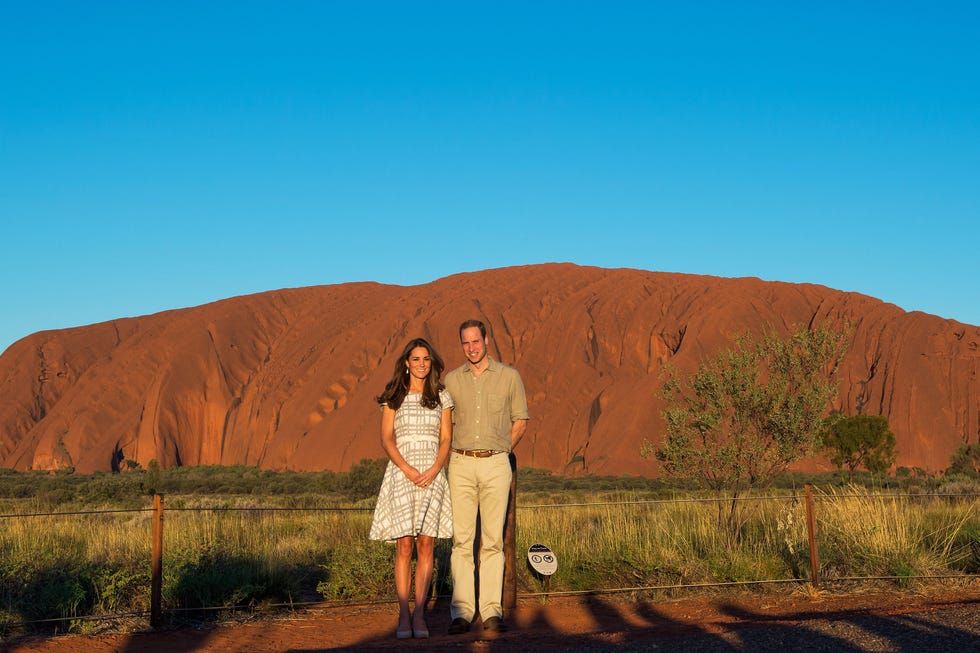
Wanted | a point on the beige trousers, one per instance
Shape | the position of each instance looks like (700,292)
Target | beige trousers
(478,485)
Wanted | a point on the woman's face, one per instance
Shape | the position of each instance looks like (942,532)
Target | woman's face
(419,363)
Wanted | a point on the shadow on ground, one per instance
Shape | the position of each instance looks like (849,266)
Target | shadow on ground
(604,625)
(841,624)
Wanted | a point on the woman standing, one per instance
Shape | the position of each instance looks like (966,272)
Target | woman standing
(413,504)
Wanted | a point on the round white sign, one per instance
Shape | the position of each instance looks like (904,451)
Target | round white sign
(542,559)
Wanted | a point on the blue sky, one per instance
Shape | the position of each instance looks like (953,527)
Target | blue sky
(163,155)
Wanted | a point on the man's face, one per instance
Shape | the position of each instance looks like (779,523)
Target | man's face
(474,345)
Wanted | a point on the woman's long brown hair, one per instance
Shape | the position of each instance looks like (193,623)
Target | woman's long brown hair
(394,393)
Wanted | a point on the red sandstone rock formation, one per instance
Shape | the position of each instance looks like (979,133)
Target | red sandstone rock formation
(286,379)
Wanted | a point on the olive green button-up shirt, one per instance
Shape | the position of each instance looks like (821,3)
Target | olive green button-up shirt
(485,406)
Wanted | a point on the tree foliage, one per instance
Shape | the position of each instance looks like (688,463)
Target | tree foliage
(750,411)
(965,460)
(861,441)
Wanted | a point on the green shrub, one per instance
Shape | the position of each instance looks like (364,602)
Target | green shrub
(362,570)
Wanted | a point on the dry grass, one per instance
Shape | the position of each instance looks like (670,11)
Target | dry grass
(66,566)
(672,543)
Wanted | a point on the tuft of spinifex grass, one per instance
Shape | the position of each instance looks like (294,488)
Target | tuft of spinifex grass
(865,534)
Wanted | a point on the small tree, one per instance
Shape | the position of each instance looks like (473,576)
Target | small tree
(965,460)
(749,412)
(860,441)
(153,482)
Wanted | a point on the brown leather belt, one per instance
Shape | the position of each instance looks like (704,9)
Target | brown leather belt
(477,453)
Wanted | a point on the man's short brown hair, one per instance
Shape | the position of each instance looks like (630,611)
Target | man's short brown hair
(468,324)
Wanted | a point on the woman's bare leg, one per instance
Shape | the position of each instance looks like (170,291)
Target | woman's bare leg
(403,579)
(425,547)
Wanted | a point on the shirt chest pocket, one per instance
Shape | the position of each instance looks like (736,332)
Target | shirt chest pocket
(497,405)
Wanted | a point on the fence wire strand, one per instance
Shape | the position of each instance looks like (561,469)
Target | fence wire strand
(519,506)
(293,605)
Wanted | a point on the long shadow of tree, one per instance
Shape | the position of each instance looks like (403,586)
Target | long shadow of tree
(852,630)
(198,587)
(56,599)
(77,597)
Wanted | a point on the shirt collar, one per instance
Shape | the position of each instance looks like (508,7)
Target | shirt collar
(494,365)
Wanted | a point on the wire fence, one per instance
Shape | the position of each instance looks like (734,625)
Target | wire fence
(961,532)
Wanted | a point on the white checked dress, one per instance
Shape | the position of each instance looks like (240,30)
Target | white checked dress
(404,508)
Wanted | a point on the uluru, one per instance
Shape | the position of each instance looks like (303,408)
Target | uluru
(286,379)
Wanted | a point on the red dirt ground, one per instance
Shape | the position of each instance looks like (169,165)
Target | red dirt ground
(557,624)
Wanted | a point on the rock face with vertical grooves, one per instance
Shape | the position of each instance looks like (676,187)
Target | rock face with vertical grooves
(286,379)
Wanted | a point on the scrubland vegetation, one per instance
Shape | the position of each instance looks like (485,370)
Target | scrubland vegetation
(238,536)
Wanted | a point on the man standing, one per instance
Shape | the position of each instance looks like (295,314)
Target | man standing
(489,419)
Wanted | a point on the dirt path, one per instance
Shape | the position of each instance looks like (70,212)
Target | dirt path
(882,621)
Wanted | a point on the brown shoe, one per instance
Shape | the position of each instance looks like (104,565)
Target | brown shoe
(459,626)
(495,625)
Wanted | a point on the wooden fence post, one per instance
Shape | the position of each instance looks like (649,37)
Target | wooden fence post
(811,532)
(509,598)
(156,563)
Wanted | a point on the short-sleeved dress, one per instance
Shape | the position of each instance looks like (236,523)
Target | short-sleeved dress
(403,508)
